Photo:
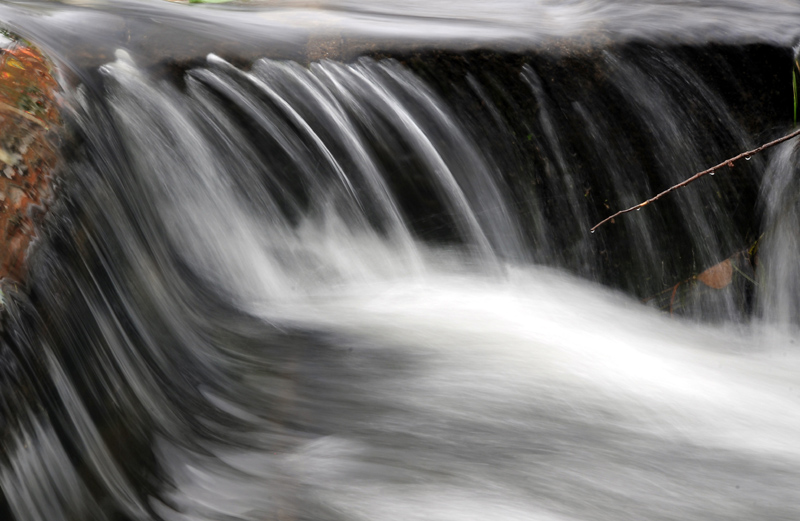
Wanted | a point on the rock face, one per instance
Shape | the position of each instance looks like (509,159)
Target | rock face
(29,121)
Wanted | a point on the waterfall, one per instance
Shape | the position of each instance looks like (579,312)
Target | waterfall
(351,289)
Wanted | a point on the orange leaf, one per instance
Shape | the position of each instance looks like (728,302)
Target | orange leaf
(717,276)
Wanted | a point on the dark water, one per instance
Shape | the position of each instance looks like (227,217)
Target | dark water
(319,289)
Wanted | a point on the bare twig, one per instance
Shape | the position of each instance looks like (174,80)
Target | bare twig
(698,175)
(22,113)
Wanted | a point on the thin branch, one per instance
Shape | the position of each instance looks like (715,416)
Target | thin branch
(18,112)
(698,175)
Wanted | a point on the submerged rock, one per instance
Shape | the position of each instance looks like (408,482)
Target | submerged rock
(29,126)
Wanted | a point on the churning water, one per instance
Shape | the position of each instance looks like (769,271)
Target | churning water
(366,290)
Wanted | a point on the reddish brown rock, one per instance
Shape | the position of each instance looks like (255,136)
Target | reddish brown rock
(29,122)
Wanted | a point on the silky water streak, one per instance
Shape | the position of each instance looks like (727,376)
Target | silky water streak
(304,293)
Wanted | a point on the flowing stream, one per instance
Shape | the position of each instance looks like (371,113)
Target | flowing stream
(365,289)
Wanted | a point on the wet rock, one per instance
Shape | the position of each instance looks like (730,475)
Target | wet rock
(29,127)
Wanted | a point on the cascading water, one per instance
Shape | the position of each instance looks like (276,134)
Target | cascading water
(367,290)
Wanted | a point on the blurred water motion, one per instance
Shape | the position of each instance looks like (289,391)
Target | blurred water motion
(92,29)
(313,289)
